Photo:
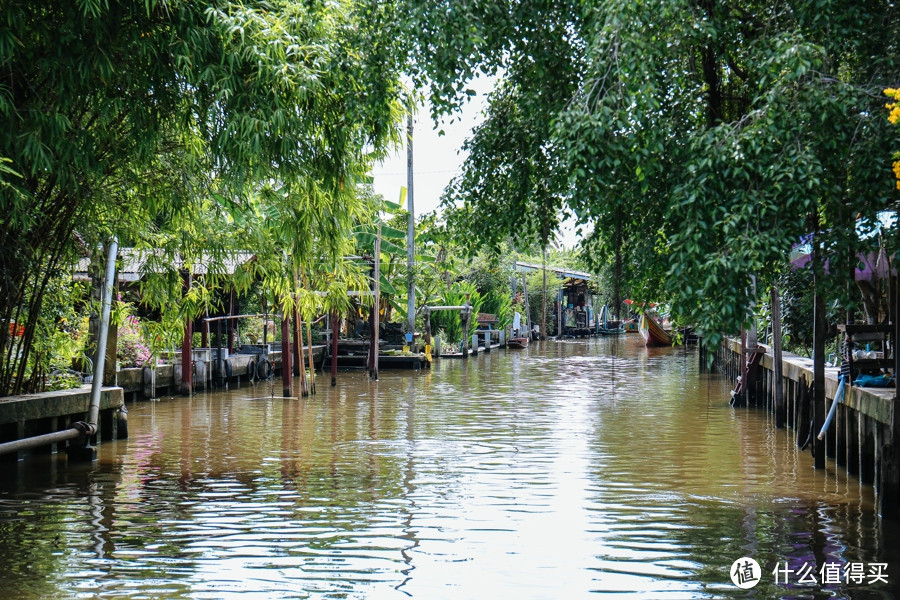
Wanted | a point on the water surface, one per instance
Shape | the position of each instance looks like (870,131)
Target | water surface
(565,470)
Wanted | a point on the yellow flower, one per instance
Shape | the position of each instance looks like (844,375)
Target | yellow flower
(894,116)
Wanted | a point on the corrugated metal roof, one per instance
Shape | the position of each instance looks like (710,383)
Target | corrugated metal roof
(562,272)
(134,264)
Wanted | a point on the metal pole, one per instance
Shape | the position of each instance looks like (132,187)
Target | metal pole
(100,361)
(43,440)
(410,233)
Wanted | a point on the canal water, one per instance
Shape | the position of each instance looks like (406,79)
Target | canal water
(565,470)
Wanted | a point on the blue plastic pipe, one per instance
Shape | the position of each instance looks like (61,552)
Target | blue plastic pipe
(838,398)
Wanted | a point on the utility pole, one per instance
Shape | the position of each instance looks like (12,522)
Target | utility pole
(410,234)
(544,299)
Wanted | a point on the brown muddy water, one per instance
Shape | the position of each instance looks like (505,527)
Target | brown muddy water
(567,470)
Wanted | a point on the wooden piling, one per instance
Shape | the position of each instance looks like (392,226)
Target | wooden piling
(230,323)
(818,402)
(465,323)
(851,434)
(297,363)
(890,497)
(335,323)
(187,386)
(778,367)
(286,362)
(376,309)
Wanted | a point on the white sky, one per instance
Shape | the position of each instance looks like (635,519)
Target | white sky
(437,158)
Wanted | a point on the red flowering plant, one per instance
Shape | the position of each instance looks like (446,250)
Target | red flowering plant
(132,350)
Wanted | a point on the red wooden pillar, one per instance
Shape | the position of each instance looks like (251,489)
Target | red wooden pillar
(230,323)
(335,323)
(298,347)
(286,362)
(187,363)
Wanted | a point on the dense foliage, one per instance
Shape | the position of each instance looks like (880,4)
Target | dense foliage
(140,119)
(702,138)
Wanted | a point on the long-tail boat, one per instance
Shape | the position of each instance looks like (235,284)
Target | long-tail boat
(517,342)
(654,334)
(607,327)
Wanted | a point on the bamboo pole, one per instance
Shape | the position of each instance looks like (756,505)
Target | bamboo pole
(298,336)
(312,364)
(287,386)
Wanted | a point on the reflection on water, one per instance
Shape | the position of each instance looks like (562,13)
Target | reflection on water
(588,466)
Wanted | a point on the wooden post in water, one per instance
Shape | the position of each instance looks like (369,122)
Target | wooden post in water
(527,309)
(298,339)
(298,349)
(230,323)
(465,336)
(889,488)
(311,386)
(818,400)
(559,312)
(427,326)
(220,362)
(286,362)
(543,335)
(617,273)
(373,367)
(187,363)
(777,366)
(335,323)
(297,363)
(312,363)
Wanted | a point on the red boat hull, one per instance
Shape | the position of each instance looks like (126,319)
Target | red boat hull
(654,334)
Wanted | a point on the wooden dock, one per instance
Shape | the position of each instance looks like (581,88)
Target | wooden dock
(31,415)
(859,439)
(141,383)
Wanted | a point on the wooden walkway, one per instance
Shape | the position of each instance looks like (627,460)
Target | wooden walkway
(860,438)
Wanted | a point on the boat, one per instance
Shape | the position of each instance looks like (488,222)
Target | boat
(653,333)
(607,327)
(517,342)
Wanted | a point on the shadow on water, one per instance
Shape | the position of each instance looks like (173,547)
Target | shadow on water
(567,468)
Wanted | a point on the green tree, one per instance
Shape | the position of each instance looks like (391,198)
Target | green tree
(700,138)
(119,114)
